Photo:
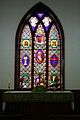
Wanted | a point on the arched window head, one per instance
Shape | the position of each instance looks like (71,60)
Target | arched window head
(39,53)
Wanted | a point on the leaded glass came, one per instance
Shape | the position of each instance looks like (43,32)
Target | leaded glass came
(40,50)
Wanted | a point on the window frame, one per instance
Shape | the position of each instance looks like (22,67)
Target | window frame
(38,7)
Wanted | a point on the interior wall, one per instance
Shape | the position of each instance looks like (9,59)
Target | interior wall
(68,12)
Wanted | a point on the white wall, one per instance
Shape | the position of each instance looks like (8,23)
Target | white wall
(68,12)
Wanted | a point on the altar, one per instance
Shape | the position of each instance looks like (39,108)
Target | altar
(28,96)
(48,101)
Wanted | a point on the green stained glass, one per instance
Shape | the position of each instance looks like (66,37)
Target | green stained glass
(25,58)
(39,56)
(39,50)
(54,56)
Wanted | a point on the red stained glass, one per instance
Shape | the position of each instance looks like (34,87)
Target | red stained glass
(39,50)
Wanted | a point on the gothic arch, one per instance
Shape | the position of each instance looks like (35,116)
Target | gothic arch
(39,51)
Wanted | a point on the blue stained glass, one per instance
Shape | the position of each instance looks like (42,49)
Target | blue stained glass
(25,60)
(47,27)
(40,15)
(40,53)
(54,60)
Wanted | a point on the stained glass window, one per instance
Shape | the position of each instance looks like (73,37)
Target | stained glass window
(39,54)
(25,58)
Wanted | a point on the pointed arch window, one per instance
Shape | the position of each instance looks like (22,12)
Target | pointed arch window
(39,53)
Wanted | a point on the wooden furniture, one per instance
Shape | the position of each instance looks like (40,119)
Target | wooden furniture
(51,100)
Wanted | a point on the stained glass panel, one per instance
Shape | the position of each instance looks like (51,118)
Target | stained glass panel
(33,21)
(39,50)
(39,56)
(25,58)
(40,15)
(54,60)
(46,22)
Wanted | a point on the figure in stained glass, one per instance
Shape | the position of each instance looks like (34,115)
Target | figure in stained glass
(39,50)
(39,56)
(40,35)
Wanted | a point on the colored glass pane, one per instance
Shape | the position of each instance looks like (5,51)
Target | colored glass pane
(54,60)
(46,21)
(39,50)
(40,42)
(25,58)
(33,21)
(40,15)
(26,34)
(39,56)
